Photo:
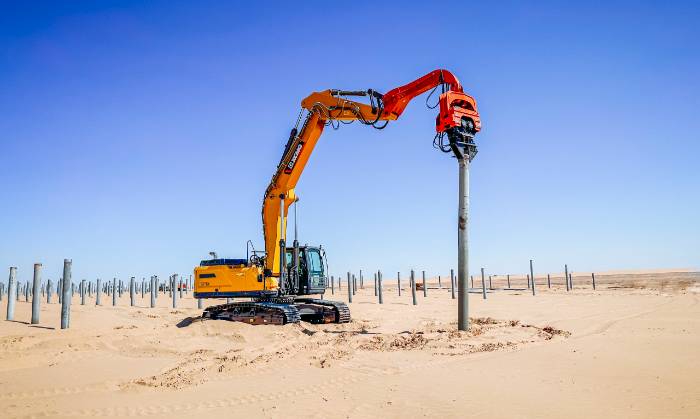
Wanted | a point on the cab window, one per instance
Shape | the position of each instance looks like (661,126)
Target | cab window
(290,259)
(315,263)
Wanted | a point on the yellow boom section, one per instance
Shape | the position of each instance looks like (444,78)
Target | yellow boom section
(322,107)
(284,185)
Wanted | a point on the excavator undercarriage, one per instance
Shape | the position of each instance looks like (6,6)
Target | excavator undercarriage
(281,311)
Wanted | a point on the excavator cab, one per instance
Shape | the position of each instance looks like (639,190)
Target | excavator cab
(310,272)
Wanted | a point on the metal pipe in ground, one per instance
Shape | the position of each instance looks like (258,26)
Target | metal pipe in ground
(508,281)
(381,287)
(362,281)
(349,288)
(425,286)
(490,283)
(566,276)
(593,276)
(65,287)
(132,291)
(181,288)
(174,291)
(36,296)
(398,279)
(413,287)
(143,288)
(483,283)
(99,292)
(463,243)
(376,285)
(549,282)
(114,292)
(82,292)
(11,291)
(153,291)
(532,274)
(452,282)
(49,291)
(332,286)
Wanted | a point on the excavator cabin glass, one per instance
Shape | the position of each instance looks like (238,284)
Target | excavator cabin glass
(315,264)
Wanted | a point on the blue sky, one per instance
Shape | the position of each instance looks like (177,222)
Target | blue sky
(137,137)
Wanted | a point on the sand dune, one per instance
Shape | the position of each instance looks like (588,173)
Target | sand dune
(627,349)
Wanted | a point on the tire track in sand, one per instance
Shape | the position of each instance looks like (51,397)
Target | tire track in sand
(604,325)
(359,374)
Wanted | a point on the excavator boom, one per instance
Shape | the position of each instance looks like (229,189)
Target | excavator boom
(324,108)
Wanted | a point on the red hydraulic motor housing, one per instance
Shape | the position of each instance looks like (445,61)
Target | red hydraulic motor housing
(458,117)
(457,110)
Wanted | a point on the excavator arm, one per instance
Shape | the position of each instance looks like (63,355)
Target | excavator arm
(458,118)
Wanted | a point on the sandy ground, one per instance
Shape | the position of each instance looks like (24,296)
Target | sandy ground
(628,349)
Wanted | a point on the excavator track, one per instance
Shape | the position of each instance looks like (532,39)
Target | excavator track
(341,312)
(254,312)
(290,311)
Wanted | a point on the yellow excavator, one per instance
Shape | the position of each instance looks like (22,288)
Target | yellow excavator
(276,284)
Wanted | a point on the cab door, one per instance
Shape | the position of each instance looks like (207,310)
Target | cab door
(316,279)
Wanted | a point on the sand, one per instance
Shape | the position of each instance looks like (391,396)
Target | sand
(628,349)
